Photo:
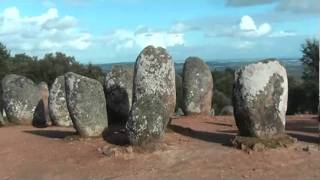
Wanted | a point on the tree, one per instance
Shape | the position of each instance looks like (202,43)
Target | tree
(310,61)
(4,56)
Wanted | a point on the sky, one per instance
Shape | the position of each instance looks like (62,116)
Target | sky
(111,31)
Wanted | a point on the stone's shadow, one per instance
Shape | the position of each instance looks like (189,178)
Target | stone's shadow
(219,124)
(39,117)
(221,138)
(116,134)
(306,138)
(51,133)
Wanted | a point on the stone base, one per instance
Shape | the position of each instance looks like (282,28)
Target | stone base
(261,144)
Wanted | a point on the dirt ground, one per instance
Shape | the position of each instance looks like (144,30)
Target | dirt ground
(193,148)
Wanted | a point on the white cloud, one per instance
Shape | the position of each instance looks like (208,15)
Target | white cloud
(46,32)
(282,34)
(142,37)
(249,28)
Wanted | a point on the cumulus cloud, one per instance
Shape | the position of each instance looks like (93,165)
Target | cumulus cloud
(142,37)
(248,27)
(46,32)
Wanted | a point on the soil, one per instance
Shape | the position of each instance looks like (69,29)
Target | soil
(194,147)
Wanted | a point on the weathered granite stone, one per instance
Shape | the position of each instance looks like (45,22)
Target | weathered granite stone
(155,75)
(57,103)
(197,87)
(41,116)
(86,104)
(260,97)
(227,110)
(154,95)
(118,88)
(179,92)
(20,97)
(148,120)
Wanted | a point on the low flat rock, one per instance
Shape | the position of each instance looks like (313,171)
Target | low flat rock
(86,104)
(20,97)
(260,97)
(57,103)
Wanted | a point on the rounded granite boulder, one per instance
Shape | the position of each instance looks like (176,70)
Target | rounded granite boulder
(260,97)
(20,97)
(197,87)
(154,95)
(118,89)
(57,103)
(86,104)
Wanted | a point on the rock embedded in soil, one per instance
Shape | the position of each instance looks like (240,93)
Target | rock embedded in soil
(197,87)
(41,117)
(260,96)
(86,104)
(57,103)
(118,88)
(154,96)
(20,97)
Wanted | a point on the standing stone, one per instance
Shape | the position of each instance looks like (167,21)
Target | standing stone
(154,96)
(2,123)
(197,87)
(227,110)
(179,92)
(118,87)
(57,103)
(21,97)
(86,104)
(41,117)
(260,97)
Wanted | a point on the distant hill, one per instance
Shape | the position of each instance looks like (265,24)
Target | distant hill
(293,65)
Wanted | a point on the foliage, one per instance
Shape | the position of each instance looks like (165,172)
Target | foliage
(44,69)
(310,61)
(222,88)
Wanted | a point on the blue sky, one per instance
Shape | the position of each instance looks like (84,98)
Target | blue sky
(103,31)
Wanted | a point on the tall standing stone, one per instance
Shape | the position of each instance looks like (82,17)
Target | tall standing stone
(118,88)
(197,87)
(58,109)
(154,96)
(41,117)
(86,104)
(260,97)
(21,97)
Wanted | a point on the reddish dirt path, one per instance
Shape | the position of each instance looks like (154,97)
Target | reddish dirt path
(195,148)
